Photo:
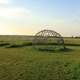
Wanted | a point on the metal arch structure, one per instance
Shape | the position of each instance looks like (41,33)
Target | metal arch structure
(48,40)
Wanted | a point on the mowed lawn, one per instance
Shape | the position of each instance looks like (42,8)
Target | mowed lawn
(26,63)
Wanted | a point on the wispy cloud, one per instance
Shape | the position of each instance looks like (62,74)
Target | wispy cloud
(14,12)
(12,17)
(6,10)
(28,16)
(4,1)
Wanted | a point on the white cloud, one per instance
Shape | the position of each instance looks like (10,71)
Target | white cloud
(11,12)
(4,1)
(14,12)
(11,18)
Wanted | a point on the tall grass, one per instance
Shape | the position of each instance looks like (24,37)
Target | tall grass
(22,62)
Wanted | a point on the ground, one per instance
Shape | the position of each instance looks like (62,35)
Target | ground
(20,61)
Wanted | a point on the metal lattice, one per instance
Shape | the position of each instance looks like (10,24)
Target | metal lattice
(48,40)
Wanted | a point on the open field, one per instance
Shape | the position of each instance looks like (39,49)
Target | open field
(20,61)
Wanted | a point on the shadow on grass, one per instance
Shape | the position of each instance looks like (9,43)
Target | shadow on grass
(56,50)
(4,44)
(66,49)
(14,46)
(73,44)
(19,45)
(27,44)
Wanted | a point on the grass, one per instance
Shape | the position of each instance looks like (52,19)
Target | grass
(26,63)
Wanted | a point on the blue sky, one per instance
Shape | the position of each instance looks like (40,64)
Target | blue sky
(25,17)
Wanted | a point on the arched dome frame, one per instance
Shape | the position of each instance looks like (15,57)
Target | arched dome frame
(42,40)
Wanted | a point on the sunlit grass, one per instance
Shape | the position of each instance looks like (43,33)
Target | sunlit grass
(27,63)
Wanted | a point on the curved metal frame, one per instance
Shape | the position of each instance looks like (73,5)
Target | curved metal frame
(41,38)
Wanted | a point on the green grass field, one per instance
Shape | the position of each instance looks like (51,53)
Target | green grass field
(20,61)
